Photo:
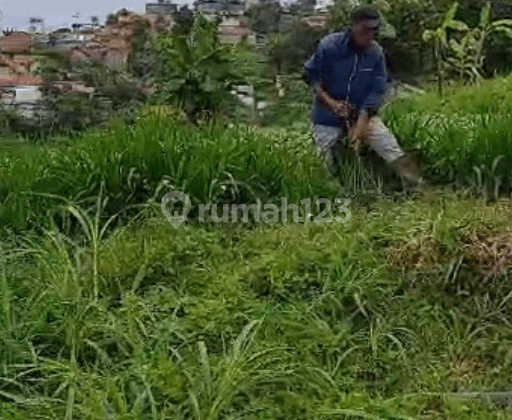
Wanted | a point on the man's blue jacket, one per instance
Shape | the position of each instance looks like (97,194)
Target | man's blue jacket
(357,78)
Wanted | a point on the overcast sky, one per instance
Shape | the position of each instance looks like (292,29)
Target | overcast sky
(58,13)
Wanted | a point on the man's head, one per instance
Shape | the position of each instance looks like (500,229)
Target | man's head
(365,25)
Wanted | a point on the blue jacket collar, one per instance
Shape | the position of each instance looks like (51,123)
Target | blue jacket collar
(346,51)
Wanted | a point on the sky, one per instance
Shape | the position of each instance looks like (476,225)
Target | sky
(58,13)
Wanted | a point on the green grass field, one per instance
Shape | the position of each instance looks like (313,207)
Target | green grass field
(401,312)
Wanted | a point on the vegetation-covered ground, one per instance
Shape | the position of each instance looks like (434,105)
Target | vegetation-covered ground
(109,312)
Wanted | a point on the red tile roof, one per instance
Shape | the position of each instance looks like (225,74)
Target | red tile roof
(15,43)
(25,80)
(112,44)
(70,86)
(232,34)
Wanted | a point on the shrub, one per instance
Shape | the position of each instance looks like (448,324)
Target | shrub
(194,71)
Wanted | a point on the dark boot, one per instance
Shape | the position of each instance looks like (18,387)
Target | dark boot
(408,170)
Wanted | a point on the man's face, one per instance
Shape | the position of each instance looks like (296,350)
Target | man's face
(364,32)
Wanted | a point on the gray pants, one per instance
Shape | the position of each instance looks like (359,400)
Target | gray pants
(378,137)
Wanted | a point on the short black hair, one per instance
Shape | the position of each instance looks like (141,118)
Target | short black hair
(365,13)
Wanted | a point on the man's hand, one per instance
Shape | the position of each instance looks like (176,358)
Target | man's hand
(341,108)
(357,132)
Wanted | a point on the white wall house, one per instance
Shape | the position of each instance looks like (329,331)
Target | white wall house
(323,5)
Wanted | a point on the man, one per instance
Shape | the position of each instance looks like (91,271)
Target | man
(347,74)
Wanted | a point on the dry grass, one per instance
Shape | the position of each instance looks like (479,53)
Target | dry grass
(414,254)
(464,370)
(489,252)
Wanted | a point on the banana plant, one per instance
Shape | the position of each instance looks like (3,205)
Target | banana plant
(341,11)
(463,60)
(468,54)
(438,38)
(194,70)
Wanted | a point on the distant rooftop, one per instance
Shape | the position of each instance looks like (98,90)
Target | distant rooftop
(161,8)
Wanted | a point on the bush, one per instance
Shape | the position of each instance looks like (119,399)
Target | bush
(195,72)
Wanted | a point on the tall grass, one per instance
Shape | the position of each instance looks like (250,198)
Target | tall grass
(285,321)
(108,316)
(133,165)
(464,140)
(463,149)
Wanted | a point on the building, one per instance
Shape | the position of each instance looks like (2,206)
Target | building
(13,43)
(236,7)
(161,8)
(249,3)
(159,22)
(323,6)
(9,79)
(113,44)
(318,21)
(15,66)
(233,29)
(209,7)
(20,92)
(287,21)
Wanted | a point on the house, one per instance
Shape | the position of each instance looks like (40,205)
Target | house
(21,93)
(71,86)
(16,63)
(11,80)
(233,29)
(16,43)
(113,44)
(318,21)
(287,21)
(323,6)
(236,7)
(209,7)
(161,8)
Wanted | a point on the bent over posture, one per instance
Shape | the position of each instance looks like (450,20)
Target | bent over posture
(347,74)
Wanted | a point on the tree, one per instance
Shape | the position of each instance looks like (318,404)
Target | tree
(438,38)
(411,18)
(468,54)
(264,17)
(288,52)
(194,71)
(302,6)
(183,20)
(139,60)
(111,20)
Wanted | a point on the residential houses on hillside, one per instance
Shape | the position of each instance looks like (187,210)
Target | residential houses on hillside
(112,44)
(16,61)
(16,82)
(233,29)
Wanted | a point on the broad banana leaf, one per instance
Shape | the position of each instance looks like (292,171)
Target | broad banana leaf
(506,31)
(501,23)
